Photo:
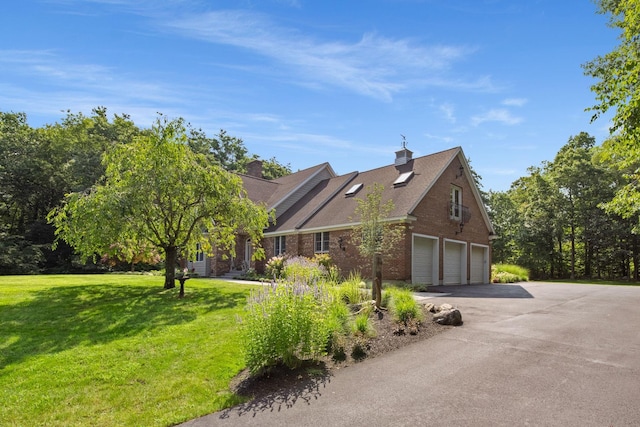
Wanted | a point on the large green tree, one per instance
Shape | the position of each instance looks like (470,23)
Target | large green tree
(618,90)
(159,193)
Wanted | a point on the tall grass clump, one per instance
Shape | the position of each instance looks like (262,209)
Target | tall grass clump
(403,306)
(353,290)
(508,273)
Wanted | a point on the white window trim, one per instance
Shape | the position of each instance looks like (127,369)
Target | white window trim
(324,243)
(278,245)
(456,205)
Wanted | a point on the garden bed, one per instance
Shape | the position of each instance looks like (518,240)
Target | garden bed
(282,384)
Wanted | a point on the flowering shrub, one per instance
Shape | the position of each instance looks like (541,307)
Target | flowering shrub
(289,322)
(274,267)
(301,269)
(324,260)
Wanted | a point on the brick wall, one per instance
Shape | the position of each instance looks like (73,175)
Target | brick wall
(433,215)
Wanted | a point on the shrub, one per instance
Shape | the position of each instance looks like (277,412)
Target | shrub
(403,306)
(508,273)
(274,267)
(288,323)
(303,270)
(324,260)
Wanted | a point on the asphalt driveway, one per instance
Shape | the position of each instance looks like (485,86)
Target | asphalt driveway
(528,354)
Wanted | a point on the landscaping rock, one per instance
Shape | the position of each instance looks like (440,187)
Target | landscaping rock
(430,307)
(450,316)
(444,307)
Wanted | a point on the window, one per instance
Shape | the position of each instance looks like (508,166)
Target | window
(199,253)
(403,179)
(322,242)
(456,203)
(353,190)
(280,245)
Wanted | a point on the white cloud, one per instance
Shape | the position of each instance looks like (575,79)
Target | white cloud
(56,85)
(446,139)
(449,112)
(499,115)
(515,102)
(374,65)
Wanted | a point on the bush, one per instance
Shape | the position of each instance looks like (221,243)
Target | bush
(274,267)
(289,323)
(324,260)
(303,270)
(508,273)
(403,306)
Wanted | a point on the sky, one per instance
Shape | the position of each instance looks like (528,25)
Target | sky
(313,81)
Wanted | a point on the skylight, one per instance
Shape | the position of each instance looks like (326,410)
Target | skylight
(353,190)
(403,179)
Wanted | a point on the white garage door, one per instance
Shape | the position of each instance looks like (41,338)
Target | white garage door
(423,255)
(453,259)
(478,264)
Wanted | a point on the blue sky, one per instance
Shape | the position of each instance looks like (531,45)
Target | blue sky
(313,81)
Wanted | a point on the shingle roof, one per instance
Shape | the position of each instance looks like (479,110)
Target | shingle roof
(326,205)
(272,192)
(340,209)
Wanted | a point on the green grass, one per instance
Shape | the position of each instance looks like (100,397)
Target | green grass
(116,350)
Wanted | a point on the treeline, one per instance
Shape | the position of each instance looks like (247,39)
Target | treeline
(38,166)
(562,221)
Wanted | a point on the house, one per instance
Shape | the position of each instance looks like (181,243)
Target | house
(445,227)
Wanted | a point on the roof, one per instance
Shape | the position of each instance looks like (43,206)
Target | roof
(323,203)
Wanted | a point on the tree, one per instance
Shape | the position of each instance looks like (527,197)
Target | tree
(158,192)
(507,224)
(618,89)
(272,169)
(540,230)
(574,175)
(375,236)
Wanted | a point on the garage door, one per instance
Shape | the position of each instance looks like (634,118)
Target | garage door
(423,255)
(453,262)
(478,264)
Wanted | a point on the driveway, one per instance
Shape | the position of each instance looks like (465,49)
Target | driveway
(528,354)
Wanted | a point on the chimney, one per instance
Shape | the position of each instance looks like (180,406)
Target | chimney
(254,168)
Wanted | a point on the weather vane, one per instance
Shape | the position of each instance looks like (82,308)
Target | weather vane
(404,141)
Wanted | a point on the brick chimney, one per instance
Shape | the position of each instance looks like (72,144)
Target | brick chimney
(254,168)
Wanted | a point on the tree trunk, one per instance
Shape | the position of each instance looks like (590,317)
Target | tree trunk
(573,251)
(376,288)
(635,257)
(171,257)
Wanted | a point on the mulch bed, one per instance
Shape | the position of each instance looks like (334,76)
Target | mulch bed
(283,386)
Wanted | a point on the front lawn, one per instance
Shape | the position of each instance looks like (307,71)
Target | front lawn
(115,350)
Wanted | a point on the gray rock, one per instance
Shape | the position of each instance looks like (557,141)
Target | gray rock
(448,317)
(444,307)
